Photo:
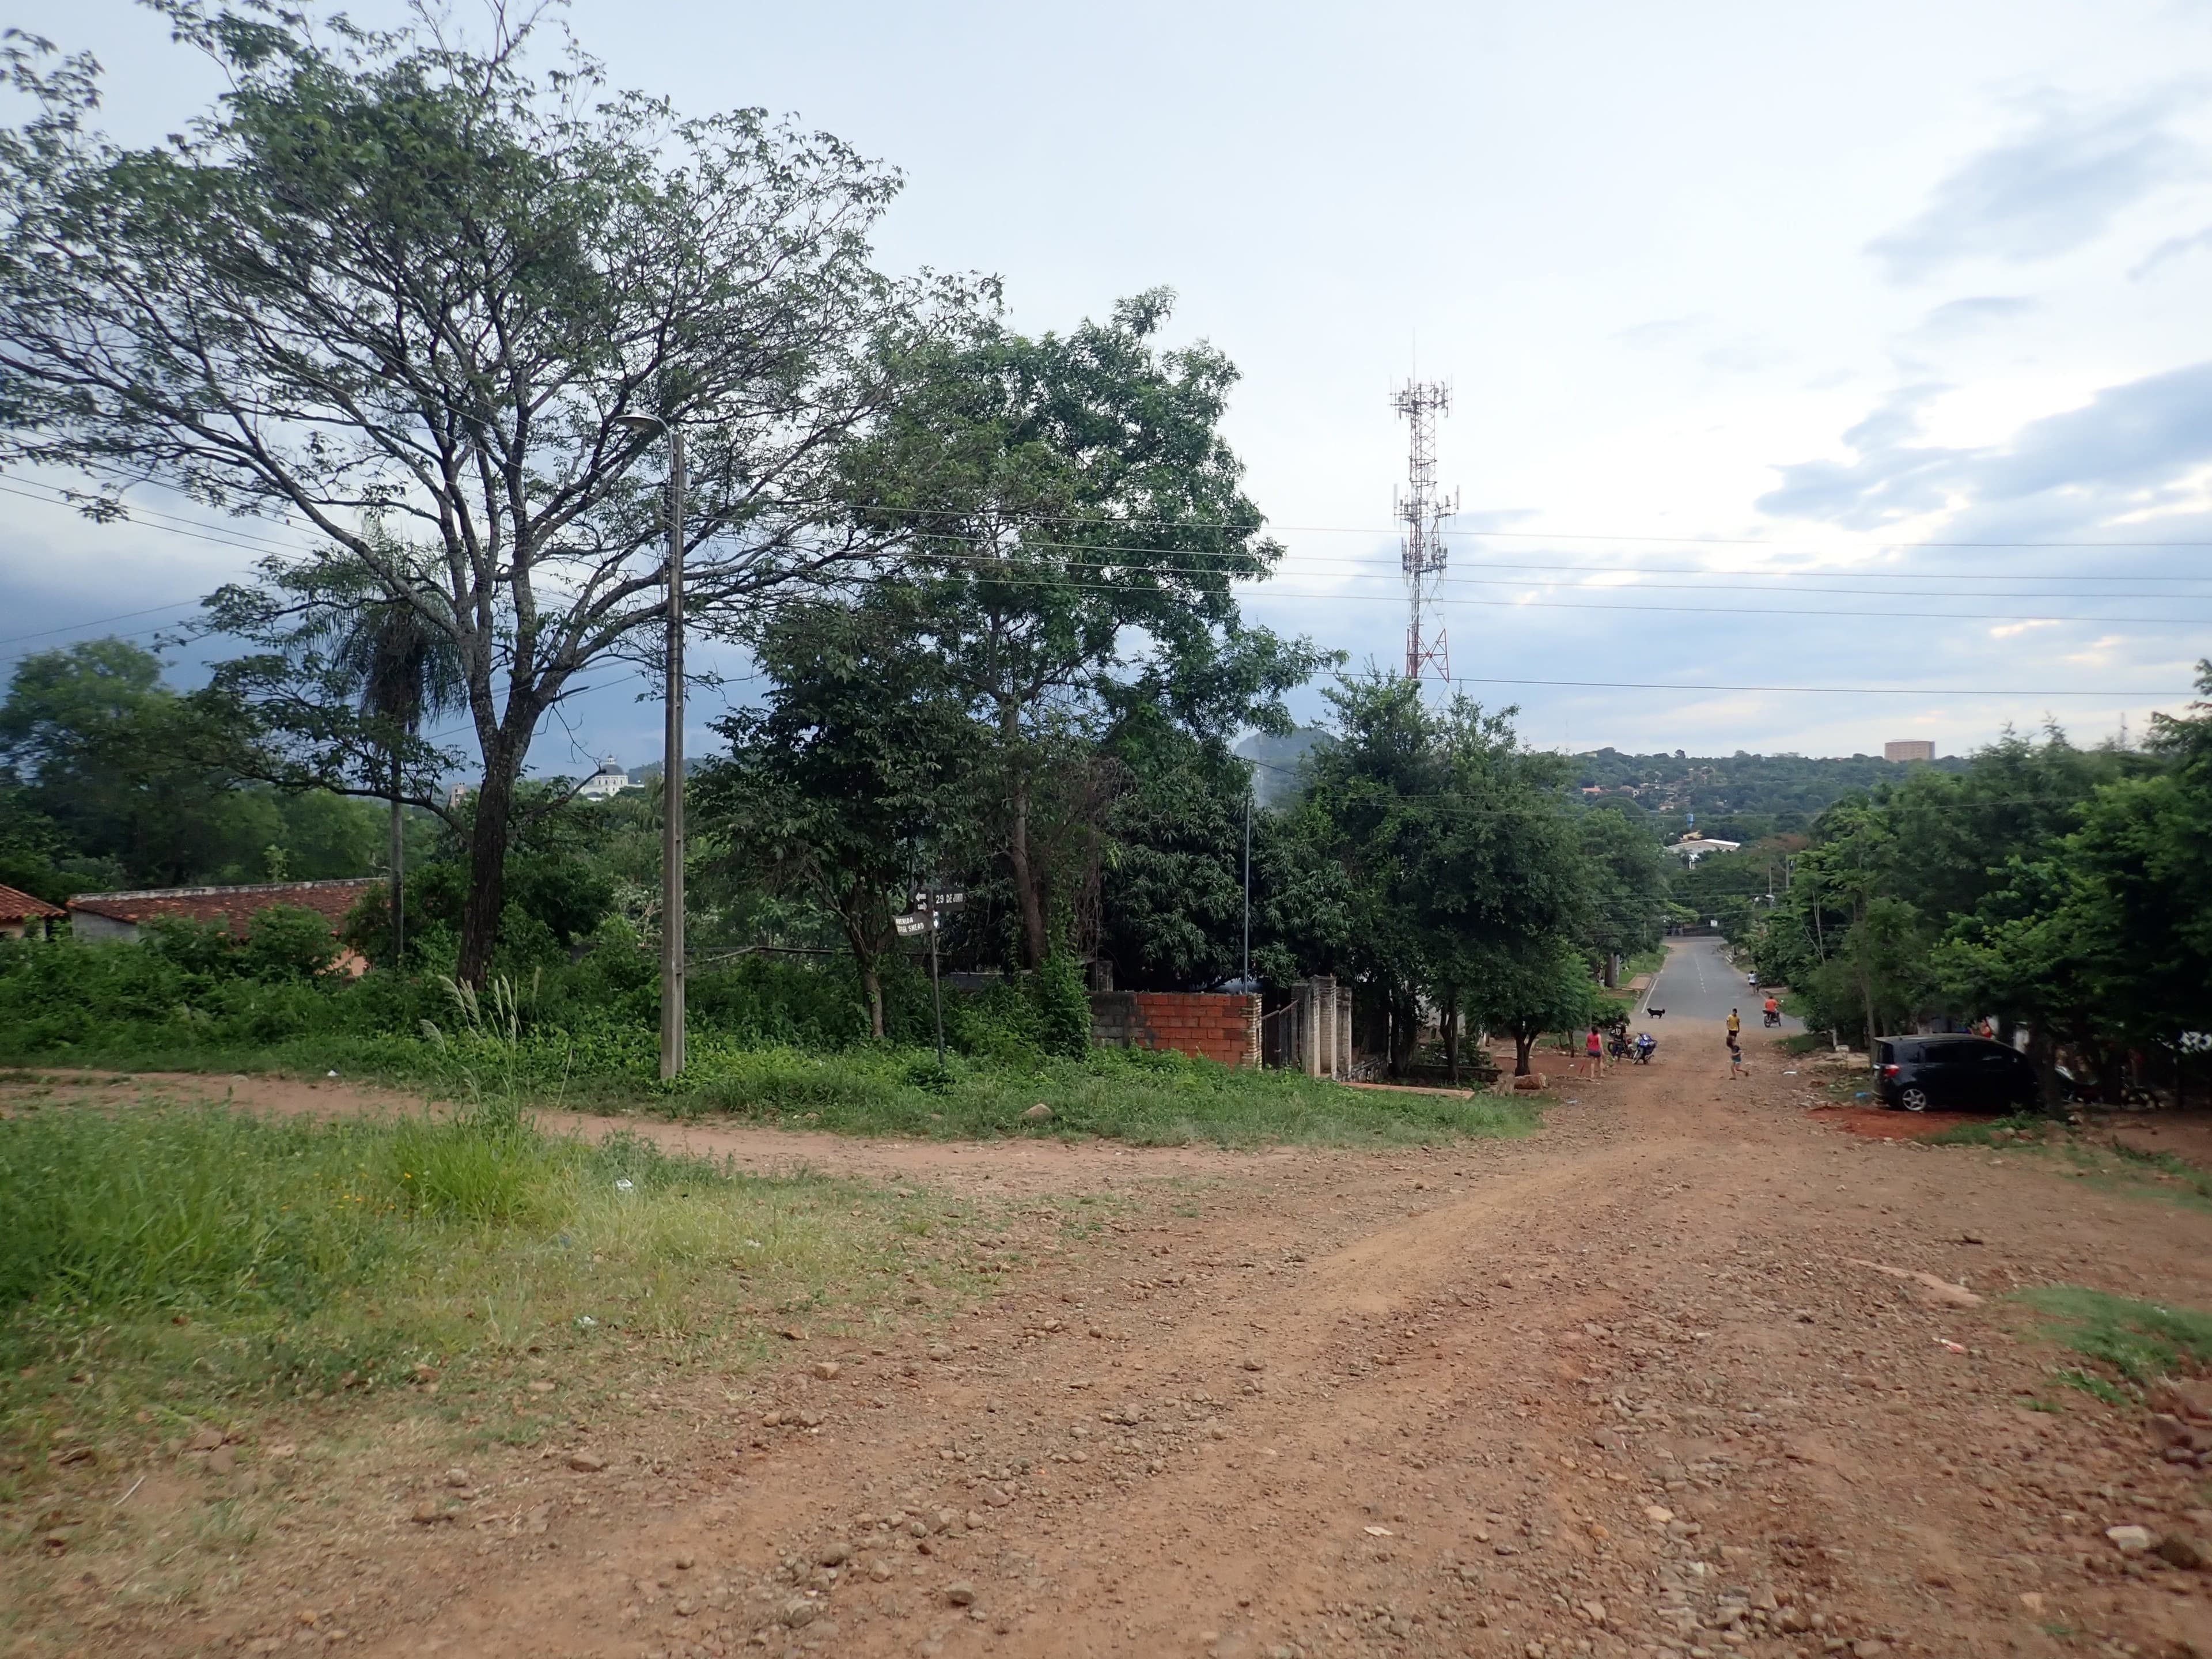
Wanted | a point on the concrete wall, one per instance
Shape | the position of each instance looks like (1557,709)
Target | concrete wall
(84,924)
(1218,1025)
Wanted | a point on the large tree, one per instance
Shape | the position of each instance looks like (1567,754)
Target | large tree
(404,294)
(1070,524)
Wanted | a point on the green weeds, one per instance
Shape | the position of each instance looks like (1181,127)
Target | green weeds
(767,1046)
(2137,1341)
(196,1260)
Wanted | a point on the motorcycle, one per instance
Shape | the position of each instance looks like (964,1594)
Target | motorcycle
(1773,1018)
(1646,1045)
(1619,1048)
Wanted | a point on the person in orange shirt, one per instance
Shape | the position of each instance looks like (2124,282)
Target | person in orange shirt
(1773,1012)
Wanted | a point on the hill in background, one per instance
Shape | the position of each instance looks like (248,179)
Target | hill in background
(1737,797)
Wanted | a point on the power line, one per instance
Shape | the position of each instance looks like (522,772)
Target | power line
(1820,690)
(95,622)
(246,542)
(1258,526)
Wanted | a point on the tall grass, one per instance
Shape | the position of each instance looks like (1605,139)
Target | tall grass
(200,1252)
(766,1046)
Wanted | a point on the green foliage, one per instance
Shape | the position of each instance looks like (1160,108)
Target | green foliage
(286,943)
(108,778)
(196,1255)
(2037,883)
(1464,879)
(233,270)
(2142,1341)
(1136,1096)
(1738,797)
(1063,1007)
(841,787)
(1054,497)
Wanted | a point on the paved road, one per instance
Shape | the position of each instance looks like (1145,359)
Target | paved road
(1698,984)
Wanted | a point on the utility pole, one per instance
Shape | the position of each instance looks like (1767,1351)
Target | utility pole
(672,758)
(936,995)
(1422,551)
(1247,883)
(671,783)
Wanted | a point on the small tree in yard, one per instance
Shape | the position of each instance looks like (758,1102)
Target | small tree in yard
(1542,986)
(845,785)
(401,294)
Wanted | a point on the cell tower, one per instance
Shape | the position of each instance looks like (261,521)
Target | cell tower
(1423,511)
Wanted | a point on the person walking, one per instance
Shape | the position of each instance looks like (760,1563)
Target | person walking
(1593,1051)
(1735,1056)
(1735,1024)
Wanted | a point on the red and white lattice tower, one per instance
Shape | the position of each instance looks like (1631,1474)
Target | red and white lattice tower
(1423,511)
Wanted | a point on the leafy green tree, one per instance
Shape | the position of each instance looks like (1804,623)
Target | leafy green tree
(114,778)
(1527,987)
(1462,873)
(1625,899)
(407,296)
(847,783)
(1055,500)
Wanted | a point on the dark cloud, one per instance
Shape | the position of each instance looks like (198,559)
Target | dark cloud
(2054,187)
(2129,448)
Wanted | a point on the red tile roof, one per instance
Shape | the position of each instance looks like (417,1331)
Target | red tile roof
(21,907)
(235,907)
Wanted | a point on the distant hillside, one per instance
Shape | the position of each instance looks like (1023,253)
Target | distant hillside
(1275,779)
(1735,797)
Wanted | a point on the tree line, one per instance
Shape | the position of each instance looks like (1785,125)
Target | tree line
(2042,886)
(436,309)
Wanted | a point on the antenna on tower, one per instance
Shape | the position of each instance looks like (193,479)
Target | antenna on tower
(1423,511)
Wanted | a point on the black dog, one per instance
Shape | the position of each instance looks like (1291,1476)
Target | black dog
(1655,1013)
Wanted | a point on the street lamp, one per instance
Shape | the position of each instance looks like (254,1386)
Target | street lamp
(672,762)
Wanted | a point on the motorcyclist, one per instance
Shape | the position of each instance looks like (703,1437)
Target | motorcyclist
(1773,1012)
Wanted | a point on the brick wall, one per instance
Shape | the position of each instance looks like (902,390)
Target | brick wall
(1218,1025)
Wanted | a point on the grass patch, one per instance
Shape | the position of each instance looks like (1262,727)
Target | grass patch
(2089,1383)
(2137,1341)
(1135,1095)
(175,1263)
(2111,1166)
(2021,1129)
(767,1044)
(2169,1165)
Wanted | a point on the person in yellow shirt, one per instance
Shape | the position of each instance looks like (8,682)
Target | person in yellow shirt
(1735,1024)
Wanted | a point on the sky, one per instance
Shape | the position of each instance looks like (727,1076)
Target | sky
(1819,376)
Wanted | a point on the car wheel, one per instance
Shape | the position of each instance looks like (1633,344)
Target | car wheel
(1914,1099)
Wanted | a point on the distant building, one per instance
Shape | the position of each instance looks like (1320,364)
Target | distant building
(455,794)
(610,780)
(126,916)
(1692,848)
(22,916)
(1909,748)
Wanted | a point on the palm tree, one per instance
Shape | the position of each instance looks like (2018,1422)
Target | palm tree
(403,666)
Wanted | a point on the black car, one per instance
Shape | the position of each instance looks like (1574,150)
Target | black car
(1963,1073)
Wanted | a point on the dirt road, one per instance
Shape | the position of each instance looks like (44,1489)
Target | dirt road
(1635,1385)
